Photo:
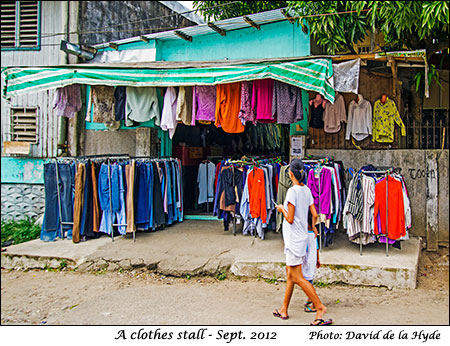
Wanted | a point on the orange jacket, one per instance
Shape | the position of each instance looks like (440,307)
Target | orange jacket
(396,211)
(257,194)
(228,105)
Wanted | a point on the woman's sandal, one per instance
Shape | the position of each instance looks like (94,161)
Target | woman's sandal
(321,322)
(276,313)
(308,308)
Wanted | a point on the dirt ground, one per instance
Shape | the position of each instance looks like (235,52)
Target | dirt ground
(144,298)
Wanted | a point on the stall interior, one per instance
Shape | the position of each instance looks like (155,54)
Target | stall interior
(202,148)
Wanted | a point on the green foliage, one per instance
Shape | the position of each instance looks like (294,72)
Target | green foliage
(62,264)
(403,23)
(19,231)
(333,31)
(433,74)
(212,11)
(321,284)
(221,275)
(273,280)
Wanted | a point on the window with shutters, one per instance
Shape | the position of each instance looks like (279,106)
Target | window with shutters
(24,125)
(20,25)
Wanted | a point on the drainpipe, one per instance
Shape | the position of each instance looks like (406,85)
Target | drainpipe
(63,60)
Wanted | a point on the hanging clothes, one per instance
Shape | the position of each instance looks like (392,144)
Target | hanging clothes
(246,112)
(257,194)
(334,114)
(67,101)
(184,105)
(169,112)
(396,213)
(262,96)
(384,116)
(359,123)
(203,103)
(142,105)
(316,121)
(120,102)
(287,107)
(103,104)
(205,181)
(227,108)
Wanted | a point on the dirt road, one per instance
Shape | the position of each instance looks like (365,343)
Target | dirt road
(143,298)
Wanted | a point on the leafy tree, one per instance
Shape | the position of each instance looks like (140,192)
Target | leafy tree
(212,11)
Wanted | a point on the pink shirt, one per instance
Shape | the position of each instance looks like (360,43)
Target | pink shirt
(262,95)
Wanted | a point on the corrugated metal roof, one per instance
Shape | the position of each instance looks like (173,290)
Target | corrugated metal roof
(236,23)
(185,12)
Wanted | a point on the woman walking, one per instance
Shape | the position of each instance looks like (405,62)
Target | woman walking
(295,209)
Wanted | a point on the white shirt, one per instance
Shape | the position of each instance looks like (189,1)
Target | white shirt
(169,112)
(359,123)
(295,234)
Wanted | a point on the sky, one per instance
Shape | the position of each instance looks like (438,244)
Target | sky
(187,4)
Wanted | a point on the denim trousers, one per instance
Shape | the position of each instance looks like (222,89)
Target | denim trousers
(144,195)
(117,212)
(51,226)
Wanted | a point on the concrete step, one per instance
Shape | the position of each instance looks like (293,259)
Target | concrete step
(203,248)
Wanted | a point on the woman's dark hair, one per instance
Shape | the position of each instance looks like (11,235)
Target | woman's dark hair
(297,168)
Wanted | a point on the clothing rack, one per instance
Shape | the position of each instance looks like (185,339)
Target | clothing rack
(386,173)
(74,158)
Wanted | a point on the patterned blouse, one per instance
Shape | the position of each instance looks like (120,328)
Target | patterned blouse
(384,116)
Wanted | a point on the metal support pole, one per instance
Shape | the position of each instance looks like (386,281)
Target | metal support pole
(320,223)
(387,222)
(234,216)
(59,199)
(110,201)
(207,189)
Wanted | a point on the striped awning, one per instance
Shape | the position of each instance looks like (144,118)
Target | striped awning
(309,74)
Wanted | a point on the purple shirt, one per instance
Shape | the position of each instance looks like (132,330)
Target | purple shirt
(262,95)
(287,105)
(203,103)
(246,113)
(67,100)
(325,191)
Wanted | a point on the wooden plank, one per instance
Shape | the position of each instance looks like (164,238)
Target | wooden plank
(20,148)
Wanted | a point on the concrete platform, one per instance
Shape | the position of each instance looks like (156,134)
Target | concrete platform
(202,248)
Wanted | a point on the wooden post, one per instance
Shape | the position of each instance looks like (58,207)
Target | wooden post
(432,207)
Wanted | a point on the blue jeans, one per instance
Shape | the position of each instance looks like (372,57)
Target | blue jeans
(117,199)
(141,203)
(51,226)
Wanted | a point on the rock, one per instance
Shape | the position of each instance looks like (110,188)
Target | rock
(137,262)
(125,264)
(113,266)
(85,266)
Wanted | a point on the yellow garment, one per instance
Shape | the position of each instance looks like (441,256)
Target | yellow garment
(384,116)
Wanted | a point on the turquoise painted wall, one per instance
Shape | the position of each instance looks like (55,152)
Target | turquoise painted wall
(276,40)
(22,170)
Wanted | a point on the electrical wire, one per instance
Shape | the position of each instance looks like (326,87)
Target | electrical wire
(138,21)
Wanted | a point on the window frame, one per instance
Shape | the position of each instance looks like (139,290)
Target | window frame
(17,31)
(12,132)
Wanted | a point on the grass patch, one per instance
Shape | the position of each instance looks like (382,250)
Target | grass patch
(16,232)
